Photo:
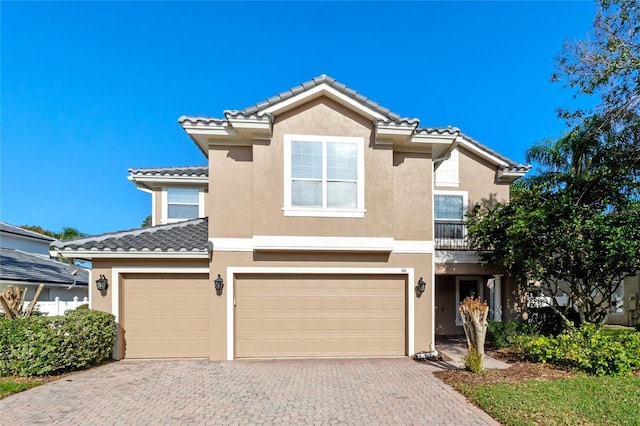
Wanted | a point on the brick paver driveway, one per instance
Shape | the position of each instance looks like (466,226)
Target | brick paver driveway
(299,391)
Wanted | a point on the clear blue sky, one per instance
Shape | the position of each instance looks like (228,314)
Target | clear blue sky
(91,89)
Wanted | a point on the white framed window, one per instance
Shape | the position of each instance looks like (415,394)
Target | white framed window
(449,208)
(182,204)
(447,172)
(323,176)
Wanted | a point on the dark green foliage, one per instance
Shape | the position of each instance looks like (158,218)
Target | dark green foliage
(548,322)
(50,345)
(587,349)
(502,334)
(67,232)
(638,327)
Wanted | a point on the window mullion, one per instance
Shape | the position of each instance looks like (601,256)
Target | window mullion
(324,174)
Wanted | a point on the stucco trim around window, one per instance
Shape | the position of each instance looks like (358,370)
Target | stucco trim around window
(165,219)
(323,210)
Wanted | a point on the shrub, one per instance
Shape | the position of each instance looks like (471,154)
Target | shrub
(638,327)
(501,334)
(473,361)
(586,349)
(50,345)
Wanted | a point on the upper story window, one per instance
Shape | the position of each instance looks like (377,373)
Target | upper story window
(447,172)
(182,204)
(449,208)
(324,176)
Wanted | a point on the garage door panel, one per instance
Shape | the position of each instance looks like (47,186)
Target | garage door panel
(166,316)
(319,315)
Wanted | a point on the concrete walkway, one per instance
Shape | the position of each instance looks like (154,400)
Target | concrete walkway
(454,350)
(385,391)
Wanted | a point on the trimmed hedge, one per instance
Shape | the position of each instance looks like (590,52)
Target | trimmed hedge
(586,349)
(39,346)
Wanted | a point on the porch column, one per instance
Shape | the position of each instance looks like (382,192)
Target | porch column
(497,297)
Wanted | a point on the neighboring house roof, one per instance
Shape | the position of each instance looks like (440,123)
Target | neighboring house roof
(20,266)
(182,239)
(16,230)
(186,171)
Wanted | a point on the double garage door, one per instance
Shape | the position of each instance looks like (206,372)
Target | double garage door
(274,316)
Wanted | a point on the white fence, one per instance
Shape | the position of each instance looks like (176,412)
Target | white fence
(58,307)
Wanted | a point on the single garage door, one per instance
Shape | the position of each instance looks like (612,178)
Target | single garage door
(319,315)
(166,316)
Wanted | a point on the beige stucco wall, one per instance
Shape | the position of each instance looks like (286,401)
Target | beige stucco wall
(327,118)
(478,178)
(157,205)
(247,183)
(230,201)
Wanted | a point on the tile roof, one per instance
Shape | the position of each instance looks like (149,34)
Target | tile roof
(16,265)
(510,163)
(186,236)
(391,118)
(10,229)
(316,81)
(186,171)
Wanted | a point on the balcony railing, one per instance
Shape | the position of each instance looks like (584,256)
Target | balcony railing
(451,236)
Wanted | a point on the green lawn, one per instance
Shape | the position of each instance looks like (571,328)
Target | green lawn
(575,401)
(10,385)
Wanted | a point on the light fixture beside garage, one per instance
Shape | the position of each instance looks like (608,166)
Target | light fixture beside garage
(420,287)
(219,283)
(102,283)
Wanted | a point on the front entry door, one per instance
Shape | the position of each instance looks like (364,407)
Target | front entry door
(467,287)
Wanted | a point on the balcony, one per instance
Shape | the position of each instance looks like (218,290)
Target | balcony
(451,236)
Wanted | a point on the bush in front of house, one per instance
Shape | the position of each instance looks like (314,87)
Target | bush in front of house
(502,334)
(39,346)
(586,349)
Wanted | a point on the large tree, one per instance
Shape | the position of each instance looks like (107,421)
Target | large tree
(607,63)
(574,227)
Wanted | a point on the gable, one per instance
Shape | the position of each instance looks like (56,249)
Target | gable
(254,124)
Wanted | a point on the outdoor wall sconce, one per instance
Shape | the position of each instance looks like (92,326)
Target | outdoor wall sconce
(219,283)
(102,283)
(420,287)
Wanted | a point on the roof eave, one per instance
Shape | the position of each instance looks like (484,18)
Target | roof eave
(145,181)
(134,254)
(507,176)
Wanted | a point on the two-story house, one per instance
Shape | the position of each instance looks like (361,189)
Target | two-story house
(326,225)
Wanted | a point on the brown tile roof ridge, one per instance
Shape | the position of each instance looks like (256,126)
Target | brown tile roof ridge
(171,171)
(340,87)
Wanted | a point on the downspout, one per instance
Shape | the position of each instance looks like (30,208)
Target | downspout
(433,353)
